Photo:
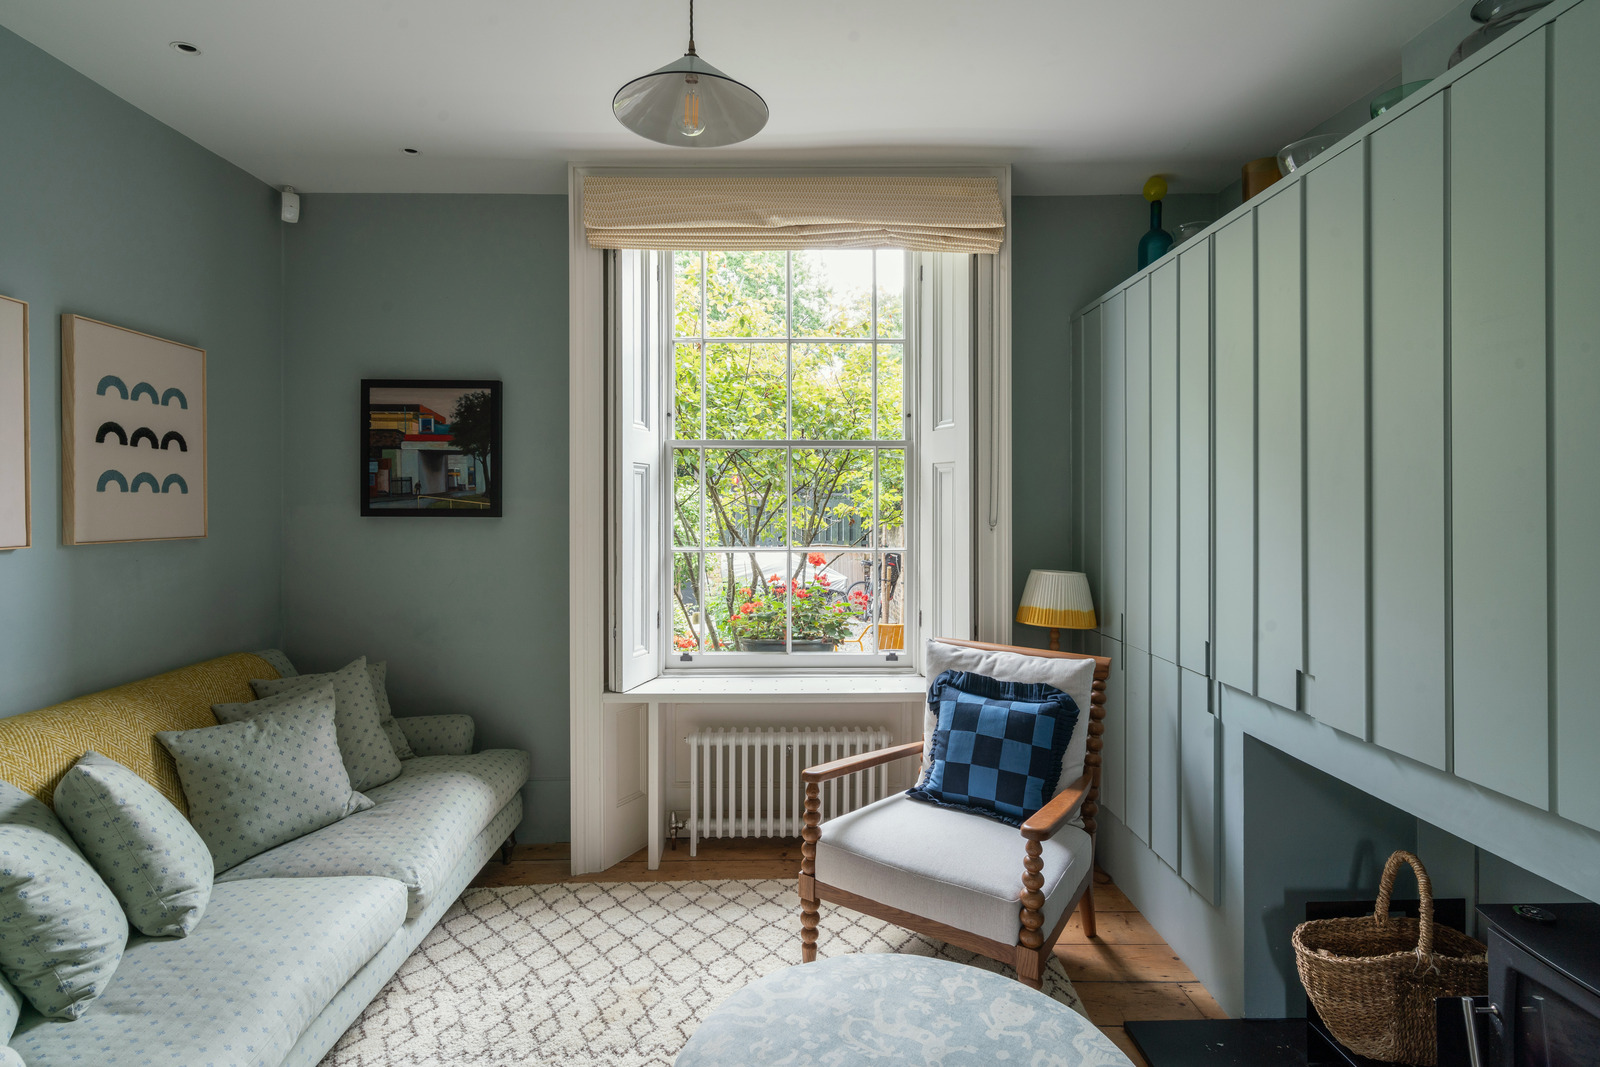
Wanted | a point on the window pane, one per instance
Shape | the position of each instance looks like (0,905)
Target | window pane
(889,602)
(891,497)
(745,496)
(686,392)
(833,294)
(686,497)
(688,614)
(891,393)
(891,293)
(833,392)
(746,294)
(686,293)
(746,601)
(745,392)
(832,498)
(833,600)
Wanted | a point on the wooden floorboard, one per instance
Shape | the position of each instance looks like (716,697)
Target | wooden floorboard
(1127,972)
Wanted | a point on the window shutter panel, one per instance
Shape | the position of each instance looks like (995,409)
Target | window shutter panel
(638,324)
(943,284)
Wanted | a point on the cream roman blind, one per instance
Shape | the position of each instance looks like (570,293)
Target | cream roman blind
(752,212)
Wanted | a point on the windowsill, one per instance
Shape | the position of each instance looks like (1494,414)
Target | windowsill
(724,689)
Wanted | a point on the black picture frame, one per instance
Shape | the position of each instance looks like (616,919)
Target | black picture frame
(408,468)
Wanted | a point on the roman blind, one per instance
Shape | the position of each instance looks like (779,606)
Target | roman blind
(754,212)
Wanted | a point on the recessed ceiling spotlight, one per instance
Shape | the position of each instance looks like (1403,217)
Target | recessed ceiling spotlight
(186,48)
(412,151)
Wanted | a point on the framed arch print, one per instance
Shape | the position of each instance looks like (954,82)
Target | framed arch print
(133,435)
(15,502)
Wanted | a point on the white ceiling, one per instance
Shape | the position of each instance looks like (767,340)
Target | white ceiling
(1083,97)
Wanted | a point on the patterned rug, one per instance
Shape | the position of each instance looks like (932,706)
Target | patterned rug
(617,974)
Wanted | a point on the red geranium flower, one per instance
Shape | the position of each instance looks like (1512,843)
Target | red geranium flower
(801,594)
(816,559)
(747,609)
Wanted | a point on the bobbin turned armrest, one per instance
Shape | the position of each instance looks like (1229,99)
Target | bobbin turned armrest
(824,772)
(1044,823)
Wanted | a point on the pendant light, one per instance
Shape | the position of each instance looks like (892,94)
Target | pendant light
(689,102)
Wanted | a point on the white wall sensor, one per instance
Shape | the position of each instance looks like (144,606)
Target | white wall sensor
(290,210)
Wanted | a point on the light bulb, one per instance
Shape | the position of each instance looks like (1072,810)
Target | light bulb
(690,125)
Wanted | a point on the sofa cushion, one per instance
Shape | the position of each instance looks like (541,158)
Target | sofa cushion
(366,751)
(10,1009)
(438,735)
(240,989)
(950,866)
(143,847)
(379,673)
(61,930)
(271,779)
(420,826)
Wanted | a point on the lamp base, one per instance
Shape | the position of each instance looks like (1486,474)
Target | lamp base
(1055,639)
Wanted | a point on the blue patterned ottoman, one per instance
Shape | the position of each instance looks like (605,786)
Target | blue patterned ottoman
(882,1007)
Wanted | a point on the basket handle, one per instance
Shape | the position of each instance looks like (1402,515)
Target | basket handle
(1424,894)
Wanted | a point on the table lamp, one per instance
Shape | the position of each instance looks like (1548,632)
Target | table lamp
(1057,600)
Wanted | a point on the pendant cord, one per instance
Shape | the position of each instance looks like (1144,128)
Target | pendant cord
(691,27)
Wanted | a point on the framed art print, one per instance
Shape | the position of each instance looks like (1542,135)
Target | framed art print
(133,435)
(430,446)
(16,530)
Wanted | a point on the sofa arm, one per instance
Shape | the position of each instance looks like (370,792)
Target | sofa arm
(438,735)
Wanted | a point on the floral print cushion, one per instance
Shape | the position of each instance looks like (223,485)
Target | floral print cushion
(368,756)
(62,931)
(153,860)
(240,989)
(270,779)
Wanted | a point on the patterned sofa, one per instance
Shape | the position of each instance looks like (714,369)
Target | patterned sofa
(296,941)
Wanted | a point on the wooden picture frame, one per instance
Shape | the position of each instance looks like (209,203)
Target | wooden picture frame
(16,481)
(430,447)
(120,390)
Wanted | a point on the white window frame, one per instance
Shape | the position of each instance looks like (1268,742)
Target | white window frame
(595,812)
(902,660)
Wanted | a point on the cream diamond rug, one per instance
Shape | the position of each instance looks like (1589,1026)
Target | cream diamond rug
(615,974)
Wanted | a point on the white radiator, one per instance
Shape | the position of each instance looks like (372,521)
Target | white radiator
(746,783)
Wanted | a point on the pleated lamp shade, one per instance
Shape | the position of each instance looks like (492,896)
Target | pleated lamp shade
(1057,600)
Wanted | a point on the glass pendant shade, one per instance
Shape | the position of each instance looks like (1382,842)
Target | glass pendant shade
(689,102)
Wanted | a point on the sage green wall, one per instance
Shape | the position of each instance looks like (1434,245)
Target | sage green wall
(1066,251)
(470,613)
(106,212)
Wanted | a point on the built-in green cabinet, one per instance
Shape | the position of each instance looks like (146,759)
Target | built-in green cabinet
(1113,515)
(1575,407)
(1201,753)
(1166,760)
(1136,716)
(1114,751)
(1409,374)
(1164,462)
(1498,382)
(1194,455)
(1136,494)
(1235,557)
(1280,555)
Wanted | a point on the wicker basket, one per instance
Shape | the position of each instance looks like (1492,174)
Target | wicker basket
(1373,979)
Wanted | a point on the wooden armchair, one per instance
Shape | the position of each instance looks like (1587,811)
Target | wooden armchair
(899,859)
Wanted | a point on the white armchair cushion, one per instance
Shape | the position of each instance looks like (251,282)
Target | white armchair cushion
(1075,677)
(950,866)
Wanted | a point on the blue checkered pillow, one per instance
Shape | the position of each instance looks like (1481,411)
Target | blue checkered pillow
(998,746)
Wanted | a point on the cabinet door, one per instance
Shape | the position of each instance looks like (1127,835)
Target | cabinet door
(1194,457)
(1336,442)
(1164,463)
(1166,761)
(1113,478)
(1136,599)
(1280,552)
(1137,760)
(1114,750)
(1575,102)
(1198,805)
(1497,441)
(1234,658)
(1408,436)
(1092,428)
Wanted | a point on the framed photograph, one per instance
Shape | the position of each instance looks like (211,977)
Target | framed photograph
(16,528)
(133,435)
(430,446)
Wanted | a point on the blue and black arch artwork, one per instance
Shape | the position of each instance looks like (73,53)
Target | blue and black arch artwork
(111,381)
(142,478)
(175,436)
(108,428)
(144,433)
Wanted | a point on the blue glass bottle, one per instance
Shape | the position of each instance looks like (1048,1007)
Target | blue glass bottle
(1154,245)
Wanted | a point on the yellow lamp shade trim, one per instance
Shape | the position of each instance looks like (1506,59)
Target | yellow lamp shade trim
(1056,619)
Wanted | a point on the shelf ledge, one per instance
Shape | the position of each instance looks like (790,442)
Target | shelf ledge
(727,689)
